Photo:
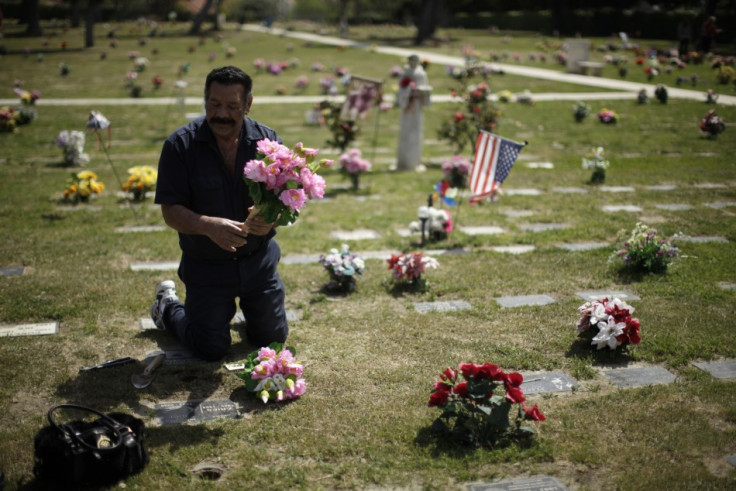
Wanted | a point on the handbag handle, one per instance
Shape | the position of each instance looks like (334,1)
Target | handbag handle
(114,425)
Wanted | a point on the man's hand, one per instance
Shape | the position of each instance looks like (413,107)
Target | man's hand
(255,224)
(228,234)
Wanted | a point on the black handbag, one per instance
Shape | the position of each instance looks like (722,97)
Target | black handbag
(96,452)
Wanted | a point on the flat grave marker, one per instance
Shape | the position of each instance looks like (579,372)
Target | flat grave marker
(617,208)
(699,239)
(731,459)
(616,189)
(482,230)
(661,187)
(570,190)
(592,295)
(405,232)
(177,413)
(513,249)
(721,204)
(534,483)
(638,376)
(300,258)
(445,252)
(442,306)
(155,266)
(727,286)
(540,165)
(38,329)
(12,271)
(546,382)
(522,192)
(524,300)
(542,227)
(79,208)
(710,185)
(583,246)
(176,355)
(674,207)
(358,234)
(517,213)
(723,369)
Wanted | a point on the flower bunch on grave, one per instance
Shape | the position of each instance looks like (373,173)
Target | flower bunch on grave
(643,249)
(456,170)
(82,185)
(409,268)
(344,268)
(595,160)
(607,116)
(141,180)
(72,143)
(353,165)
(344,131)
(661,93)
(132,85)
(274,374)
(712,124)
(505,96)
(580,111)
(711,97)
(281,180)
(9,118)
(157,81)
(437,222)
(609,322)
(477,112)
(477,403)
(642,97)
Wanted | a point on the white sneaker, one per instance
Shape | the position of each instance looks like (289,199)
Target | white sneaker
(165,294)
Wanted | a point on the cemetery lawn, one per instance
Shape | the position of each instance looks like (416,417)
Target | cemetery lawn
(370,358)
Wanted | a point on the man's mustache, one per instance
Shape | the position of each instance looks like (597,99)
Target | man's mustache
(229,121)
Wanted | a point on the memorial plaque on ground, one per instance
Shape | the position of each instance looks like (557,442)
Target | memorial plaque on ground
(12,271)
(300,258)
(522,192)
(179,356)
(382,255)
(155,266)
(545,382)
(662,187)
(723,369)
(482,230)
(542,227)
(701,238)
(405,232)
(517,213)
(571,190)
(592,295)
(616,189)
(727,286)
(291,316)
(638,376)
(617,208)
(176,413)
(444,306)
(710,185)
(583,246)
(674,207)
(721,204)
(540,165)
(534,483)
(731,459)
(359,234)
(29,329)
(524,300)
(513,249)
(446,252)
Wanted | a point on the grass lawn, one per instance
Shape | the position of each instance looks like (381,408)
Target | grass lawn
(370,358)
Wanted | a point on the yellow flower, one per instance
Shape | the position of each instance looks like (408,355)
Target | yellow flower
(86,174)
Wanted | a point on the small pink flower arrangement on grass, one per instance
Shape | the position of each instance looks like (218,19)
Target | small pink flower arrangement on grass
(274,374)
(607,116)
(281,180)
(409,268)
(456,170)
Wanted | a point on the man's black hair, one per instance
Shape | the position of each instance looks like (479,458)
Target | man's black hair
(229,75)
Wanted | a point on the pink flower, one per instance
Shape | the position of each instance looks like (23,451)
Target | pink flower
(313,184)
(255,170)
(293,198)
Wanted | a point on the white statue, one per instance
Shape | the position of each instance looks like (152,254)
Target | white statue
(413,96)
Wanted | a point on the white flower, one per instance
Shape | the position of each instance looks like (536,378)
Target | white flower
(607,332)
(275,383)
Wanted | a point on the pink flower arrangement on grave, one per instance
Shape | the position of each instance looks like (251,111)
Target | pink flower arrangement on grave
(351,162)
(476,402)
(274,374)
(712,124)
(611,323)
(410,267)
(607,116)
(281,180)
(456,170)
(301,82)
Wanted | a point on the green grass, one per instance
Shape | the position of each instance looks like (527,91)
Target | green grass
(370,357)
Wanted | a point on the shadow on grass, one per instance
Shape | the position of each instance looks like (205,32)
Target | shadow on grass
(442,441)
(582,349)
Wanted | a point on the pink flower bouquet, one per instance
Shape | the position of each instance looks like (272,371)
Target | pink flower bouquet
(273,374)
(282,180)
(610,321)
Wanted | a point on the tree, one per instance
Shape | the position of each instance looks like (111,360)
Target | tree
(427,19)
(93,10)
(31,9)
(202,15)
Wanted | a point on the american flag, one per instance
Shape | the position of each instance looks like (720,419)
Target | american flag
(494,156)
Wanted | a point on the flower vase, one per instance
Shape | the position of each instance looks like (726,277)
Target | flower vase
(599,175)
(355,180)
